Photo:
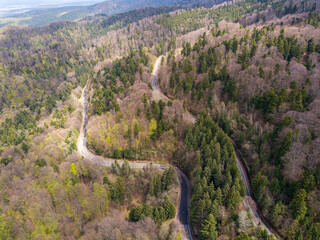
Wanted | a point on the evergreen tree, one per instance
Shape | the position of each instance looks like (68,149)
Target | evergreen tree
(169,208)
(162,214)
(234,198)
(258,186)
(234,44)
(261,72)
(135,214)
(243,236)
(298,204)
(208,229)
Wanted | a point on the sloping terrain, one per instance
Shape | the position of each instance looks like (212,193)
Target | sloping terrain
(248,71)
(41,17)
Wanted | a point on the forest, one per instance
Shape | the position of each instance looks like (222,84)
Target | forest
(247,70)
(248,79)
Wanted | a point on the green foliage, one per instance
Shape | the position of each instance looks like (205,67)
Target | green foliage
(186,49)
(70,108)
(243,236)
(217,180)
(244,57)
(258,187)
(71,140)
(262,233)
(40,162)
(118,154)
(277,211)
(119,192)
(288,46)
(122,70)
(271,100)
(6,160)
(74,169)
(261,72)
(5,228)
(159,183)
(230,87)
(187,67)
(138,111)
(136,130)
(169,208)
(217,32)
(25,147)
(313,19)
(153,129)
(234,198)
(285,145)
(298,204)
(234,44)
(160,213)
(208,229)
(309,182)
(58,119)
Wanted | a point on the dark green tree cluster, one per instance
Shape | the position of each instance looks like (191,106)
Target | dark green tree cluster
(106,87)
(232,44)
(217,180)
(271,100)
(258,186)
(156,111)
(244,57)
(160,213)
(117,190)
(13,131)
(313,46)
(288,46)
(184,22)
(208,60)
(216,32)
(313,19)
(186,49)
(189,84)
(208,228)
(159,184)
(127,153)
(230,88)
(199,45)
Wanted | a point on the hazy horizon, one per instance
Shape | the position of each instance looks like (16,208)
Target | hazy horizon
(8,8)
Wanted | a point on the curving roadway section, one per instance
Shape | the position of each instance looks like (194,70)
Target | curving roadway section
(84,151)
(249,204)
(183,180)
(182,215)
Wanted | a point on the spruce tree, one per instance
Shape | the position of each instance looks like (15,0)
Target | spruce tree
(208,229)
(169,208)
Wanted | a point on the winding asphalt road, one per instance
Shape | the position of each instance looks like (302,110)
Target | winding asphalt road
(183,180)
(248,202)
(182,215)
(83,150)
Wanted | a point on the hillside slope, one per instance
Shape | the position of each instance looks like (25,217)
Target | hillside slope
(41,17)
(248,71)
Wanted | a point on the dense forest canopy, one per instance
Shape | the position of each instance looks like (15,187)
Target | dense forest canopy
(261,86)
(247,70)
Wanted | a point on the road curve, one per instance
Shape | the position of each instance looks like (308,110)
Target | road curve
(189,117)
(83,150)
(182,215)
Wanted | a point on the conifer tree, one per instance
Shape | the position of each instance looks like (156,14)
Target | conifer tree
(208,229)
